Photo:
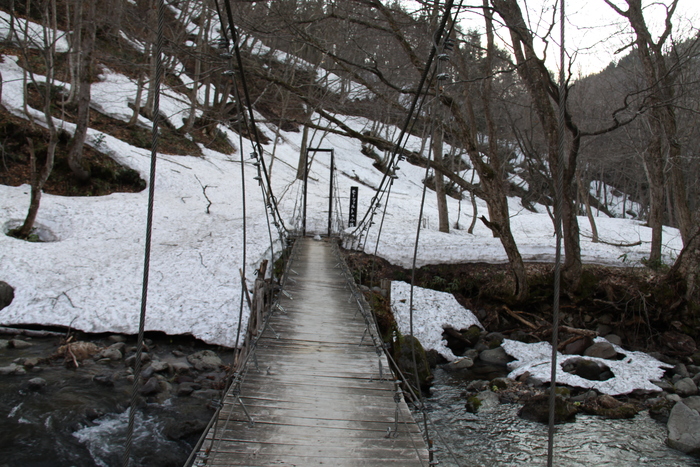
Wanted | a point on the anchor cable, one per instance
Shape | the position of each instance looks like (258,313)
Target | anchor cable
(559,193)
(149,230)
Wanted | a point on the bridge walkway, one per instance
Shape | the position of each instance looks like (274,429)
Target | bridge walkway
(321,393)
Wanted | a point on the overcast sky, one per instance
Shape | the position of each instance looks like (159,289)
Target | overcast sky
(593,29)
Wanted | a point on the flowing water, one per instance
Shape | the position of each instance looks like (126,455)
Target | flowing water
(498,437)
(72,421)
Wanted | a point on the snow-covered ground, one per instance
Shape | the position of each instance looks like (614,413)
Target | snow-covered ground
(89,275)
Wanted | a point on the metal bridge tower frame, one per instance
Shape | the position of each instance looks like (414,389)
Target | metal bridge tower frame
(330,191)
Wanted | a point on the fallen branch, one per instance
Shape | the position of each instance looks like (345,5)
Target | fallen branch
(622,245)
(29,332)
(580,332)
(515,315)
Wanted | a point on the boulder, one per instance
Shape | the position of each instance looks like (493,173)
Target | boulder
(693,402)
(588,369)
(609,407)
(681,370)
(500,383)
(185,389)
(30,362)
(660,409)
(686,387)
(601,350)
(496,356)
(405,349)
(7,294)
(205,360)
(472,335)
(110,353)
(152,386)
(181,367)
(36,384)
(19,344)
(160,367)
(684,429)
(537,410)
(494,339)
(578,346)
(131,359)
(460,363)
(679,343)
(613,339)
(12,369)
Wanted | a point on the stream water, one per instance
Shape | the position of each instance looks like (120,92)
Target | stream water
(74,421)
(498,437)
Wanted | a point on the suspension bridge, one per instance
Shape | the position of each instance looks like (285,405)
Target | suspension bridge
(316,387)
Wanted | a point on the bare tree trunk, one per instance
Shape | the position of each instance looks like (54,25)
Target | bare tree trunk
(543,93)
(663,124)
(194,96)
(443,215)
(137,101)
(584,194)
(39,177)
(75,151)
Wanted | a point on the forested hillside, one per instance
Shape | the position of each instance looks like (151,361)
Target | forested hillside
(484,102)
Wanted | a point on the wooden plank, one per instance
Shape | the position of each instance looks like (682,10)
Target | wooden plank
(317,398)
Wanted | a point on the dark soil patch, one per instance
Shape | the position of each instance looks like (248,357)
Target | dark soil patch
(107,176)
(632,303)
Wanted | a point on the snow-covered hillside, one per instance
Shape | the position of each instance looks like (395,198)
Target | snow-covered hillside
(88,275)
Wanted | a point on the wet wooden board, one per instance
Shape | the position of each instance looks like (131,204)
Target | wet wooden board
(316,396)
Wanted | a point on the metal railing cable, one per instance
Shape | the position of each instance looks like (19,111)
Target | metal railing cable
(270,200)
(400,143)
(234,386)
(559,194)
(149,230)
(366,310)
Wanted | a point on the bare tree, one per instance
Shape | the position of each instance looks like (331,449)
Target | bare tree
(544,95)
(86,29)
(39,175)
(665,146)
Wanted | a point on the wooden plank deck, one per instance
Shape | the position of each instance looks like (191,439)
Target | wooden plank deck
(317,398)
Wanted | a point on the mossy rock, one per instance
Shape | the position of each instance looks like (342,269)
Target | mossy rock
(405,347)
(537,410)
(473,404)
(472,334)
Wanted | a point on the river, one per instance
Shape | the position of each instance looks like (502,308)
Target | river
(498,437)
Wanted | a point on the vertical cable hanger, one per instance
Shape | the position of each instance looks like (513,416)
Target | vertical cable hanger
(126,461)
(559,195)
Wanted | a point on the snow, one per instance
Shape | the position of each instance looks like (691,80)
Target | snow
(636,370)
(432,312)
(31,33)
(89,275)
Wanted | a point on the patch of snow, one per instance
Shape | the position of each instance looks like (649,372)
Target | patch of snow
(636,370)
(31,33)
(433,311)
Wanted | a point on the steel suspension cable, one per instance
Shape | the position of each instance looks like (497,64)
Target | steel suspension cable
(404,130)
(149,230)
(559,194)
(257,146)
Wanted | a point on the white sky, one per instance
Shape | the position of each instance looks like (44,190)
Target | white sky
(593,28)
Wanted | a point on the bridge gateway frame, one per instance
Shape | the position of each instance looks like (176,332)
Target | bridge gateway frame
(330,190)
